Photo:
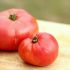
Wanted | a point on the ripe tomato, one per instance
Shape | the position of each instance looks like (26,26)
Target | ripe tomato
(15,25)
(41,50)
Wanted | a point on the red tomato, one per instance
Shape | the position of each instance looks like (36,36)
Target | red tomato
(15,25)
(41,50)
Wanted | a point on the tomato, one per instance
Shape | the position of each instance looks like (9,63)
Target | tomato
(15,25)
(41,50)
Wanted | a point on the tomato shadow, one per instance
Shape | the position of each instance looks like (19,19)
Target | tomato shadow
(30,66)
(8,52)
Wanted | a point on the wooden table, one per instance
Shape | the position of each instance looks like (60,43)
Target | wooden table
(12,61)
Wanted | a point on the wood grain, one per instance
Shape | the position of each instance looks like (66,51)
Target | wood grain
(12,61)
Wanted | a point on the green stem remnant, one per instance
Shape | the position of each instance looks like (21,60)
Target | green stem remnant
(13,17)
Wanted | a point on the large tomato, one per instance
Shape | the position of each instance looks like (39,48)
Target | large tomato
(41,50)
(15,25)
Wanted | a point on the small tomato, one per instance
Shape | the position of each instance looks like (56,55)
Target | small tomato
(41,50)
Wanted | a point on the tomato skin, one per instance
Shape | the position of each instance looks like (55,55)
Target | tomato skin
(13,32)
(41,53)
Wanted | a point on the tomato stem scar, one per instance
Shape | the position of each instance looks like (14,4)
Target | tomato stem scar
(35,40)
(13,17)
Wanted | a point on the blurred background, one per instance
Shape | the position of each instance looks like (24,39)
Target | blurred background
(50,10)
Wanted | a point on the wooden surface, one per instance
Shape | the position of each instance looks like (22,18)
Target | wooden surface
(12,61)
